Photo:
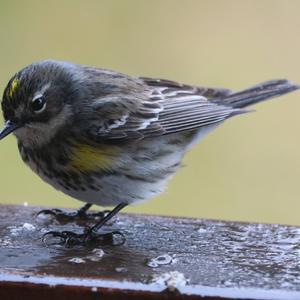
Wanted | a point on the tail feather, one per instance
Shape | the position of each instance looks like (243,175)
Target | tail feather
(258,93)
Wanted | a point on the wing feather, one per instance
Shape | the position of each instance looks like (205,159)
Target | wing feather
(166,107)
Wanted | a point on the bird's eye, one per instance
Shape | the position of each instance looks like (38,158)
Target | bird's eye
(38,104)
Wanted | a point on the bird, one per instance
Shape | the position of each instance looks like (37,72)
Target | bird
(110,139)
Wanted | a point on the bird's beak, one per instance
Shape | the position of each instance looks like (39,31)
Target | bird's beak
(8,128)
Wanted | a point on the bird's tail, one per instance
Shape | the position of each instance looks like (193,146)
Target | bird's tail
(258,93)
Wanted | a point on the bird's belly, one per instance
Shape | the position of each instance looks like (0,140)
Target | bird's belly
(108,189)
(111,190)
(134,181)
(140,171)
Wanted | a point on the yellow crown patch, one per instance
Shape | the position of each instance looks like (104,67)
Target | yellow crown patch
(13,87)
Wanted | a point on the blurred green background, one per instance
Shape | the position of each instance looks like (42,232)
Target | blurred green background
(249,168)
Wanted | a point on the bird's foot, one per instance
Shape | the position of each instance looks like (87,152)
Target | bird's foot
(89,236)
(65,217)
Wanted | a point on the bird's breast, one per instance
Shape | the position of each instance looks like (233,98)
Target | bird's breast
(71,165)
(106,174)
(87,158)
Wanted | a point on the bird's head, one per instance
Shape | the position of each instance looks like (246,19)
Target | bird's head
(35,102)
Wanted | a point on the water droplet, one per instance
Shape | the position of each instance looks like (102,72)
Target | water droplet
(121,270)
(96,255)
(77,260)
(164,259)
(17,230)
(28,226)
(172,280)
(202,230)
(5,242)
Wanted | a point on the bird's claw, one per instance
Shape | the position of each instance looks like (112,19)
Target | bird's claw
(63,216)
(52,212)
(69,238)
(59,214)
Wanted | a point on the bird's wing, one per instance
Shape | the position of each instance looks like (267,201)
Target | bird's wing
(165,107)
(173,86)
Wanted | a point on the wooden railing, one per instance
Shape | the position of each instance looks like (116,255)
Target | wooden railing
(162,258)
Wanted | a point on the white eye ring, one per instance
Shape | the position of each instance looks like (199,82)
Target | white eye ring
(38,104)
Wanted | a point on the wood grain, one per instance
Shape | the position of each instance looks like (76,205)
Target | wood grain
(162,258)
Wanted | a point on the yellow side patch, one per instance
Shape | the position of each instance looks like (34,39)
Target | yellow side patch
(87,158)
(13,87)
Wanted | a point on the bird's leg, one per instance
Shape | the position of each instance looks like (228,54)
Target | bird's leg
(80,214)
(90,234)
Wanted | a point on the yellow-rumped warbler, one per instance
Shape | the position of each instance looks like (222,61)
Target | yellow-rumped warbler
(110,139)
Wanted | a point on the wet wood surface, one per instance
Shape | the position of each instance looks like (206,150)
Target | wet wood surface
(162,258)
